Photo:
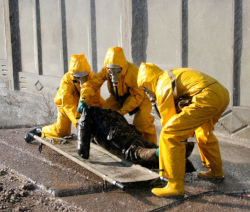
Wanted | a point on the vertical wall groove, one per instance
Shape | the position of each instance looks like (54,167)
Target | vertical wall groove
(237,51)
(184,33)
(15,41)
(139,39)
(39,38)
(64,36)
(93,35)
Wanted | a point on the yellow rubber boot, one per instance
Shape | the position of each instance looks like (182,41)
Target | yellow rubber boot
(210,174)
(174,189)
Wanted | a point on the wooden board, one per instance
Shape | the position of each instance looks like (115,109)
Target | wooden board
(102,163)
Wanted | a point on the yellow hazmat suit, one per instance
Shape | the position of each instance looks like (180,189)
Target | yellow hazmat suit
(209,100)
(127,85)
(67,99)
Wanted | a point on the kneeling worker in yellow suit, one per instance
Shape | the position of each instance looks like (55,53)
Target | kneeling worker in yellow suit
(67,99)
(205,99)
(125,96)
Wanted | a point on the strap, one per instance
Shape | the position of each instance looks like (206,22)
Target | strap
(173,82)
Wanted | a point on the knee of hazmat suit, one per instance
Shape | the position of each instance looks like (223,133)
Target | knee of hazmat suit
(177,127)
(59,129)
(68,94)
(143,121)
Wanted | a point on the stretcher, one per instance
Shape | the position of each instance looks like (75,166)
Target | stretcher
(102,163)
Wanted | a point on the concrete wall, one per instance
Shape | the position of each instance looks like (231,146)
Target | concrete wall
(210,39)
(245,62)
(51,33)
(3,48)
(27,21)
(164,46)
(3,53)
(37,38)
(78,24)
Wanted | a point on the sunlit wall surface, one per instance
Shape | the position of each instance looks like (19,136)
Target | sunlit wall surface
(37,38)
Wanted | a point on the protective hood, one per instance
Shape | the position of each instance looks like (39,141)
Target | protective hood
(78,63)
(115,56)
(148,75)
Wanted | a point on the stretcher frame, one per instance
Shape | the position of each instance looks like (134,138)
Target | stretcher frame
(127,172)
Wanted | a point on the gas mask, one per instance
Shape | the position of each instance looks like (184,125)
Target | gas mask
(114,72)
(81,77)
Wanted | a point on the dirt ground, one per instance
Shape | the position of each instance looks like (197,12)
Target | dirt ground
(30,181)
(19,194)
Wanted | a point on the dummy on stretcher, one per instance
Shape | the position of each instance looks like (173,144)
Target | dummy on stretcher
(111,130)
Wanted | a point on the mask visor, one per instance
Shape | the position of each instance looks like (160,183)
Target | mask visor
(81,77)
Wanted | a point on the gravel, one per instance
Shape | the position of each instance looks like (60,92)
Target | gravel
(20,194)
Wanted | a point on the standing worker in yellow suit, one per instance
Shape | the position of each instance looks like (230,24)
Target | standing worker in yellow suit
(67,99)
(125,96)
(207,99)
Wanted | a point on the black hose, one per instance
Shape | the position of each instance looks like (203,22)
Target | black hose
(207,193)
(156,110)
(116,93)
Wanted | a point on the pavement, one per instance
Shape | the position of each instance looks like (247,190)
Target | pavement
(76,185)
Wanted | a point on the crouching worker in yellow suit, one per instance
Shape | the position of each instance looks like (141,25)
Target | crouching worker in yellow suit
(125,96)
(67,99)
(207,100)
